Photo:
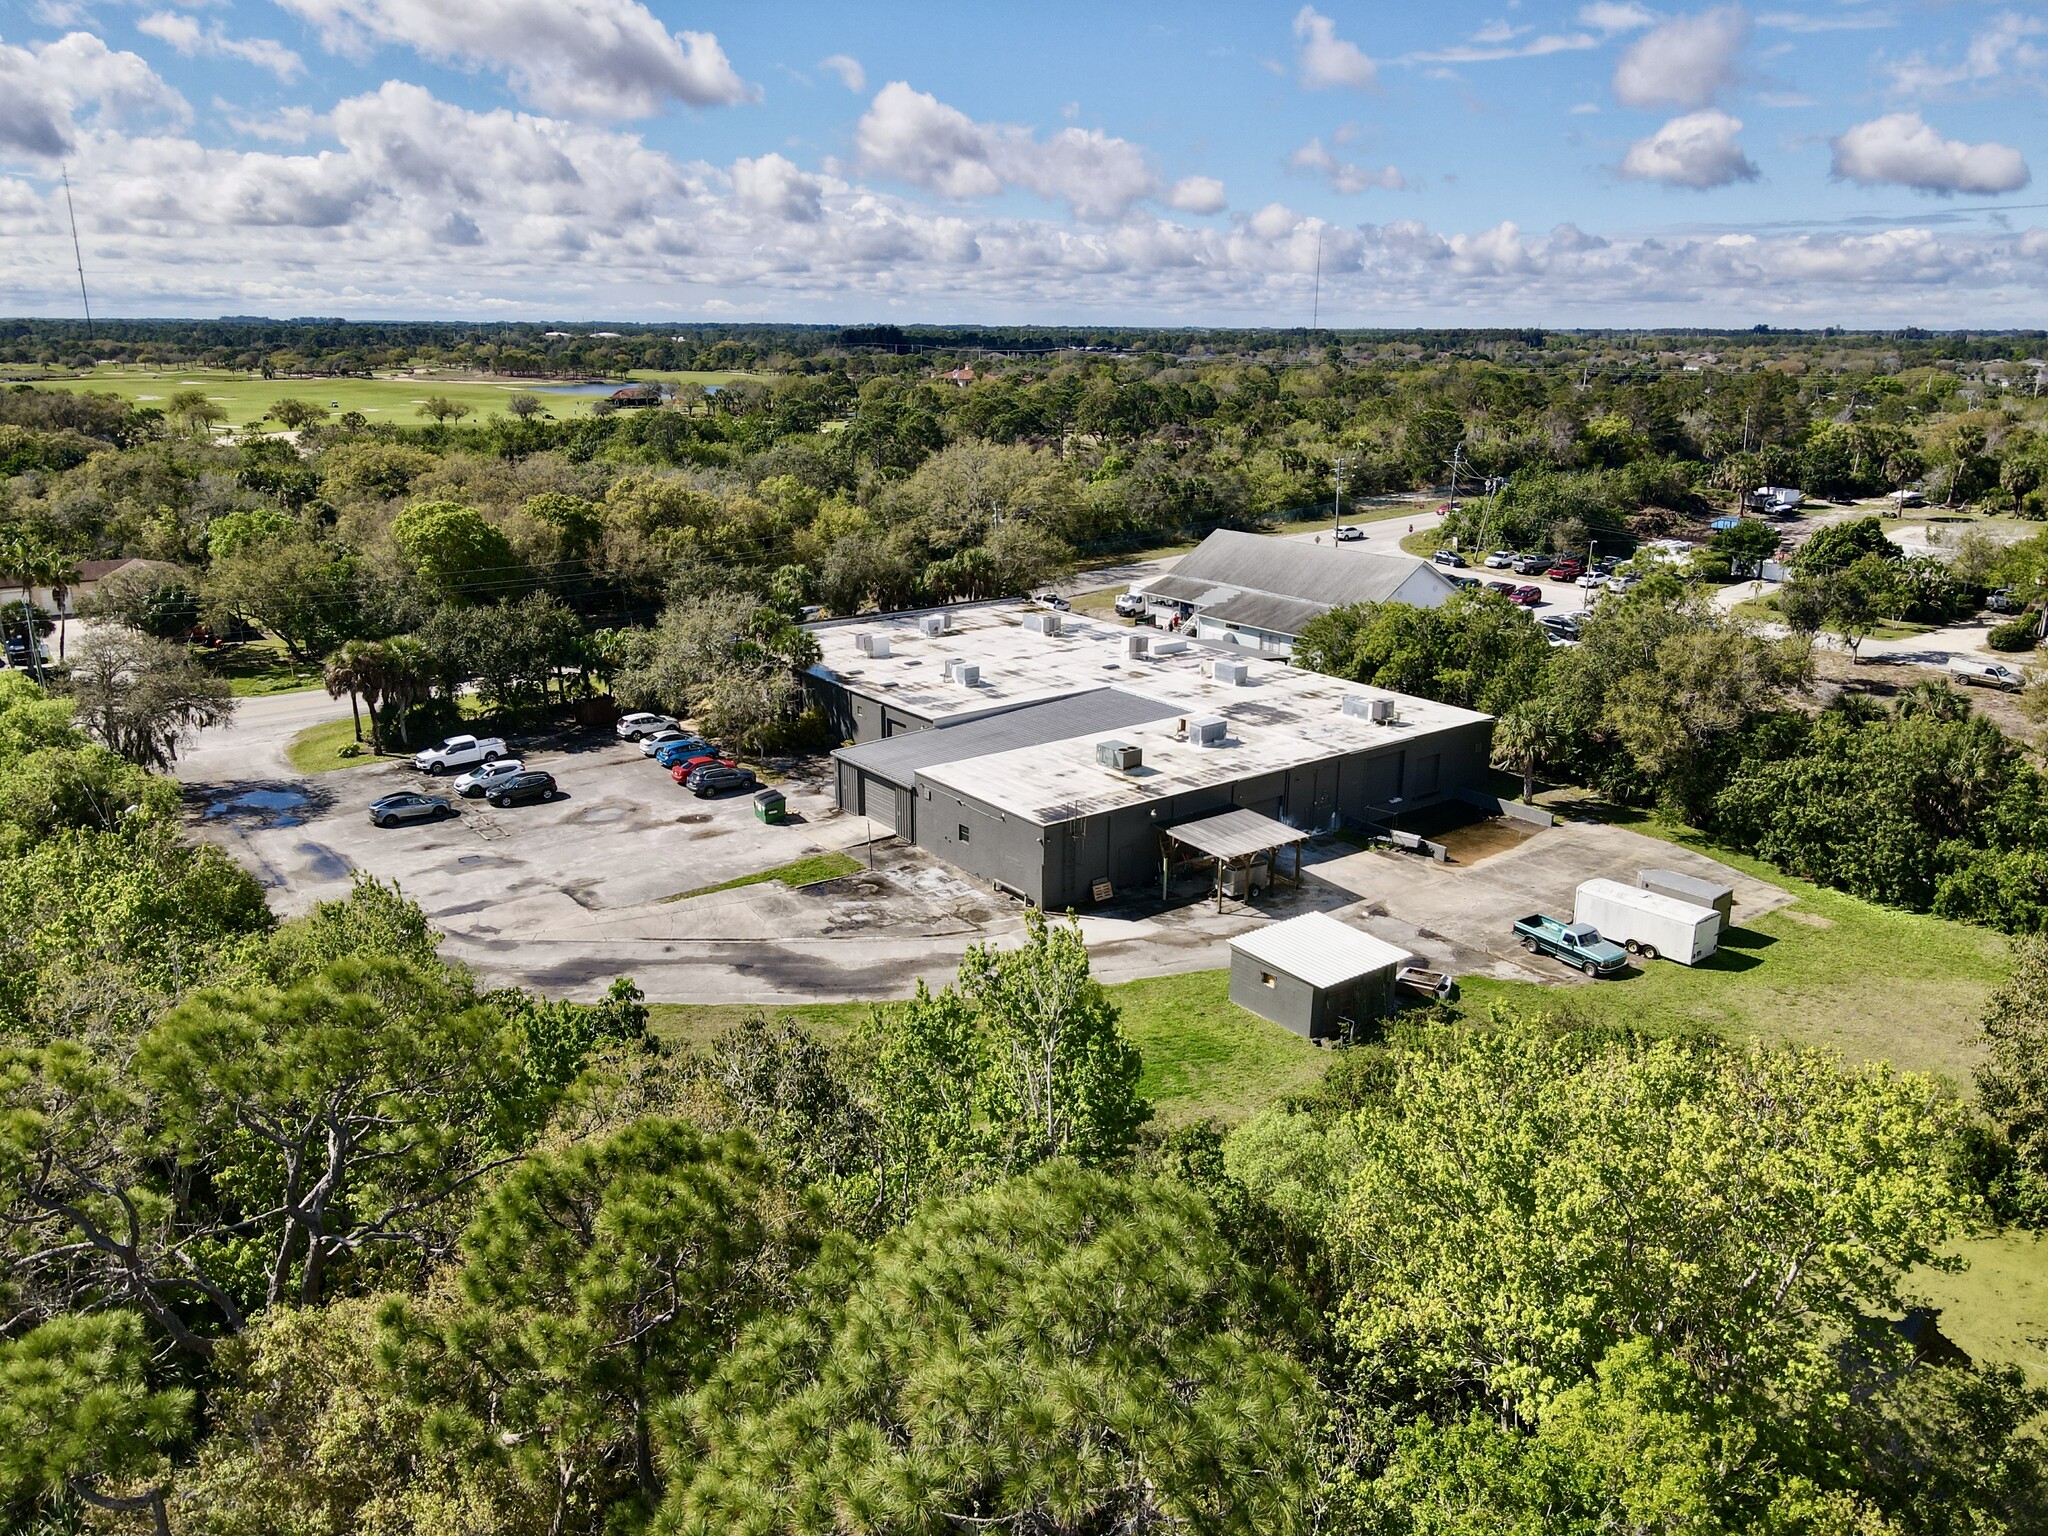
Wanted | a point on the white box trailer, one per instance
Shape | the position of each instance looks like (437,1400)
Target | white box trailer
(1647,924)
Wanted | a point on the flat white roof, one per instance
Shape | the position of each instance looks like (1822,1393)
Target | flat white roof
(1320,950)
(1281,716)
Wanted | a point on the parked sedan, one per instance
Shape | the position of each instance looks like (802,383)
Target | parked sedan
(1504,588)
(669,753)
(719,779)
(634,727)
(407,805)
(531,785)
(1448,557)
(649,745)
(1562,625)
(478,781)
(1593,579)
(1527,596)
(682,770)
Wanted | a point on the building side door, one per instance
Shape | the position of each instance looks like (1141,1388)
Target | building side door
(1428,767)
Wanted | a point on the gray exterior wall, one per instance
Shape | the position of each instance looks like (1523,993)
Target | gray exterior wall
(1309,1011)
(857,718)
(998,847)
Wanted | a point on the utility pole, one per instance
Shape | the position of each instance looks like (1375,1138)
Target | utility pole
(1337,513)
(1315,313)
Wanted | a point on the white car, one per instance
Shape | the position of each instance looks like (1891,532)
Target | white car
(1349,533)
(1500,559)
(459,752)
(478,781)
(1593,579)
(636,727)
(649,745)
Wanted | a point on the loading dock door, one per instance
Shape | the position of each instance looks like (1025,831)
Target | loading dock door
(878,801)
(1325,792)
(1427,768)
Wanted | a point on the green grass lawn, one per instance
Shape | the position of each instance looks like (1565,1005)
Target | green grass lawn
(247,396)
(1997,1309)
(798,872)
(262,667)
(1203,1054)
(319,748)
(1829,970)
(1765,610)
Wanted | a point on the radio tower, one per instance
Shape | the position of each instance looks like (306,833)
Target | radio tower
(77,253)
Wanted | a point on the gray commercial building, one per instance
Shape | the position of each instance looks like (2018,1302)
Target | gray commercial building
(1258,593)
(1045,753)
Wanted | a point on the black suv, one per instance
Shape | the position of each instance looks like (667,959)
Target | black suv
(531,785)
(717,779)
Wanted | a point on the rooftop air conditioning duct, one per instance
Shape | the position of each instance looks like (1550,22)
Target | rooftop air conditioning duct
(871,645)
(1168,647)
(1208,731)
(1042,623)
(932,624)
(1229,672)
(1136,646)
(1120,755)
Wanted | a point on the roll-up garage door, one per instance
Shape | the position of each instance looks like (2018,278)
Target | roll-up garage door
(878,800)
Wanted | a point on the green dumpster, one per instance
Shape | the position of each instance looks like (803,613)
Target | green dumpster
(770,806)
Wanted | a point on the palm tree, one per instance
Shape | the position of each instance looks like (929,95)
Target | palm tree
(1522,738)
(408,676)
(31,563)
(63,576)
(357,668)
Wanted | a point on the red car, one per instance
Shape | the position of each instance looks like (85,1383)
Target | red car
(1565,570)
(689,765)
(1527,596)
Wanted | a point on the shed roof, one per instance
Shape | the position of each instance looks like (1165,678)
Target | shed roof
(1325,574)
(1235,834)
(1320,950)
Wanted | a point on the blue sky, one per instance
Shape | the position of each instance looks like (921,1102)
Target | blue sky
(1838,161)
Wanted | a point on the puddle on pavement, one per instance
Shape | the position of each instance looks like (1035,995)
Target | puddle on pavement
(278,807)
(601,815)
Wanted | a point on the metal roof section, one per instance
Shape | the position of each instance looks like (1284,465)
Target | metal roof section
(898,758)
(1235,834)
(1320,950)
(1325,575)
(1264,611)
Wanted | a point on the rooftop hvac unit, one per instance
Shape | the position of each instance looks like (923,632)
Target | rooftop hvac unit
(1209,731)
(1137,645)
(1230,672)
(1168,647)
(932,624)
(1120,755)
(965,673)
(871,645)
(1042,623)
(1378,711)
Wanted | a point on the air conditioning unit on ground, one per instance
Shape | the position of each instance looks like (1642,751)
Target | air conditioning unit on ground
(871,645)
(932,624)
(1136,646)
(1120,755)
(1230,672)
(1042,623)
(1208,731)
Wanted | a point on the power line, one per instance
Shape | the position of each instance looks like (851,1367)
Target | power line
(77,251)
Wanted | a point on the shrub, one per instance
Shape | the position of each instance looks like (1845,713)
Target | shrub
(2015,634)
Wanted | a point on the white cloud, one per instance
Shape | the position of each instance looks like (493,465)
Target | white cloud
(1326,61)
(1611,17)
(1697,150)
(912,136)
(1197,194)
(588,58)
(45,86)
(185,34)
(1901,150)
(2001,54)
(1342,175)
(848,69)
(1498,40)
(1685,62)
(773,185)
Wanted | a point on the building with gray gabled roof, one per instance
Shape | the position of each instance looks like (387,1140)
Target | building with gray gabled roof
(1259,593)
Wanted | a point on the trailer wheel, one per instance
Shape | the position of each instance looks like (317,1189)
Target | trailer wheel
(1648,951)
(1590,968)
(1631,946)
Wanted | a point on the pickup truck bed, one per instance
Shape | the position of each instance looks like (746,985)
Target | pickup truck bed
(1576,944)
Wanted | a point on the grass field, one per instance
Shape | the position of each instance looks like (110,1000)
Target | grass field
(318,748)
(1829,970)
(1764,610)
(262,667)
(1204,1055)
(1997,1309)
(799,872)
(247,396)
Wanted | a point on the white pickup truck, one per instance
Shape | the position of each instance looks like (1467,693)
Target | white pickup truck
(459,752)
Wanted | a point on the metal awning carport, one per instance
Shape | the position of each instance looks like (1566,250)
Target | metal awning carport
(1232,837)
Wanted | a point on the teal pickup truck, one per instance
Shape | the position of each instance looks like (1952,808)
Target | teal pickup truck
(1576,944)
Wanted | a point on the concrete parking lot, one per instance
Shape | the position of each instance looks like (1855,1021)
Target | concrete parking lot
(566,896)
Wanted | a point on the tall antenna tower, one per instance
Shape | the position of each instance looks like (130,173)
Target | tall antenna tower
(1315,313)
(77,252)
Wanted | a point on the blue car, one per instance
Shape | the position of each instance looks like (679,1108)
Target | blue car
(669,753)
